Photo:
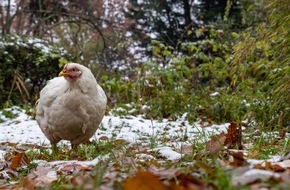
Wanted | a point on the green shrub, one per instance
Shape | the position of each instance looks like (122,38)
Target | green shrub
(168,90)
(26,65)
(263,57)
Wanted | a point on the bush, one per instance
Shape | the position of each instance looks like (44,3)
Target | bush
(263,57)
(168,89)
(26,65)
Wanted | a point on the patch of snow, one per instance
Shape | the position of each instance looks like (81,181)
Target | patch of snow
(2,154)
(23,129)
(4,174)
(134,129)
(144,156)
(253,175)
(274,158)
(51,175)
(168,153)
(254,162)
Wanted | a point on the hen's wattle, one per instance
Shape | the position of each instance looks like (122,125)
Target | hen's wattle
(72,106)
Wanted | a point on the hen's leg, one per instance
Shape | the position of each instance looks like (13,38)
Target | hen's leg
(74,147)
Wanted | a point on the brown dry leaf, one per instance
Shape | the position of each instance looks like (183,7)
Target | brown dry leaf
(282,133)
(255,175)
(185,149)
(3,165)
(253,154)
(216,143)
(83,181)
(39,177)
(73,168)
(258,166)
(238,159)
(164,174)
(20,159)
(27,183)
(286,175)
(209,120)
(188,182)
(268,165)
(207,168)
(234,136)
(278,168)
(144,181)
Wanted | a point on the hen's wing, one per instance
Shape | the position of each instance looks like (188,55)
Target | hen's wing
(48,96)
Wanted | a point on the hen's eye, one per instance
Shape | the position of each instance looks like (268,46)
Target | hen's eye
(73,69)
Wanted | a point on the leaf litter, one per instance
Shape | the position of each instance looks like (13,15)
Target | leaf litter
(151,157)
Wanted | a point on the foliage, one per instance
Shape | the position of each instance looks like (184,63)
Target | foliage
(261,60)
(26,65)
(223,76)
(205,76)
(204,79)
(174,22)
(182,85)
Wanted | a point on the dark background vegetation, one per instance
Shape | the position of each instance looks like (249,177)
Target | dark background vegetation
(224,60)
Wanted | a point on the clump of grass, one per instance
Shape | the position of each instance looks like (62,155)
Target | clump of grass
(8,113)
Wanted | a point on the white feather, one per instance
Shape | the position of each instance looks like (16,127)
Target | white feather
(71,110)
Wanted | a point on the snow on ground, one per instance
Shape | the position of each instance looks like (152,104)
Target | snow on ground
(134,129)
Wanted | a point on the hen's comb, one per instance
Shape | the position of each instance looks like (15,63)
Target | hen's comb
(64,68)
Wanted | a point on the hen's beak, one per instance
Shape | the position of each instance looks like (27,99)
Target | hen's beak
(63,74)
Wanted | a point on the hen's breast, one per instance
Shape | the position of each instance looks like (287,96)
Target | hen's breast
(65,112)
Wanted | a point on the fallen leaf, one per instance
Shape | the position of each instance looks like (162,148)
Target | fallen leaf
(258,166)
(189,182)
(144,181)
(282,133)
(216,143)
(234,136)
(39,177)
(164,174)
(253,154)
(286,176)
(71,168)
(185,149)
(19,160)
(206,167)
(3,165)
(238,159)
(268,165)
(277,168)
(255,175)
(83,181)
(27,183)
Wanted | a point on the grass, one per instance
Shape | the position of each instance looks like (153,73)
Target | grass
(265,143)
(123,162)
(123,159)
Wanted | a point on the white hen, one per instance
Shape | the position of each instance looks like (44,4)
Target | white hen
(71,106)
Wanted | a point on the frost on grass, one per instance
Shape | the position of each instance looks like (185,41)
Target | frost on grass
(148,144)
(24,130)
